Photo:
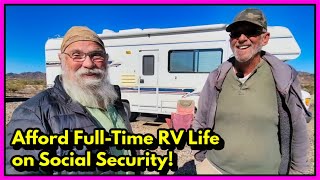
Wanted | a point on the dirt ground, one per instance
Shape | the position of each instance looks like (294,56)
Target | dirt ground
(145,124)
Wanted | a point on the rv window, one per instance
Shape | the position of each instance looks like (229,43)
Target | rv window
(148,65)
(181,61)
(194,61)
(209,60)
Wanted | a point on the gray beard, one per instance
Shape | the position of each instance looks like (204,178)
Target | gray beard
(97,94)
(252,54)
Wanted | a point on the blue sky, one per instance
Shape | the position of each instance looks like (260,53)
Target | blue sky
(27,28)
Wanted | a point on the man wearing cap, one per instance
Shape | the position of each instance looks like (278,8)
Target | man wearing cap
(82,98)
(253,102)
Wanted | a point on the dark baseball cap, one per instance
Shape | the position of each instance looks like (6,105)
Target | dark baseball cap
(254,16)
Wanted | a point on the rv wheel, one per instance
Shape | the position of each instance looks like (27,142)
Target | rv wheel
(134,116)
(127,108)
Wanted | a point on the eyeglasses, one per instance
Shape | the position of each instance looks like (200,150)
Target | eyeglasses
(96,56)
(248,32)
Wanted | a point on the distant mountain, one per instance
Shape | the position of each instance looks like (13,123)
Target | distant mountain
(27,75)
(305,73)
(307,81)
(306,78)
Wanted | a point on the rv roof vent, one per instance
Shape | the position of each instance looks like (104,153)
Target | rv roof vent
(107,31)
(130,30)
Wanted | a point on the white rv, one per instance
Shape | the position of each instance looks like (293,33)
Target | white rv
(156,67)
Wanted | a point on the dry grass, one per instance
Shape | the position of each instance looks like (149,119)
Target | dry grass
(23,86)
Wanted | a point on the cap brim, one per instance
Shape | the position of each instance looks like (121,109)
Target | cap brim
(230,27)
(233,25)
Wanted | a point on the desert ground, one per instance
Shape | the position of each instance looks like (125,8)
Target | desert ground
(150,124)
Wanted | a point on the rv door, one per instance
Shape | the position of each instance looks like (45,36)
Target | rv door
(148,81)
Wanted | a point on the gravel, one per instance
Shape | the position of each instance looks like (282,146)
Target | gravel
(185,158)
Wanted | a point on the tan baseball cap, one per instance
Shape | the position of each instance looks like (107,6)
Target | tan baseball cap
(251,15)
(79,33)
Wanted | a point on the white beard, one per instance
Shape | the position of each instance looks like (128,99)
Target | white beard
(96,93)
(242,58)
(247,57)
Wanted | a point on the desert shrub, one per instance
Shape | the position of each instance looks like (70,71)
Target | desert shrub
(33,82)
(14,86)
(38,82)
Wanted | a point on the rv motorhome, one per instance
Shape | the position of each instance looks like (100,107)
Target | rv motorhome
(156,67)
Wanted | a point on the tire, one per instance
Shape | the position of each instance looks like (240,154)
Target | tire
(127,108)
(132,115)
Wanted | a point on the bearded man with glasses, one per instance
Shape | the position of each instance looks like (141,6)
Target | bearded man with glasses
(253,102)
(82,98)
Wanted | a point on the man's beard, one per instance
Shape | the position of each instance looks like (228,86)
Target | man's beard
(96,93)
(250,55)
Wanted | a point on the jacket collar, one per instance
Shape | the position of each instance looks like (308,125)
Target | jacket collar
(58,87)
(222,72)
(282,73)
